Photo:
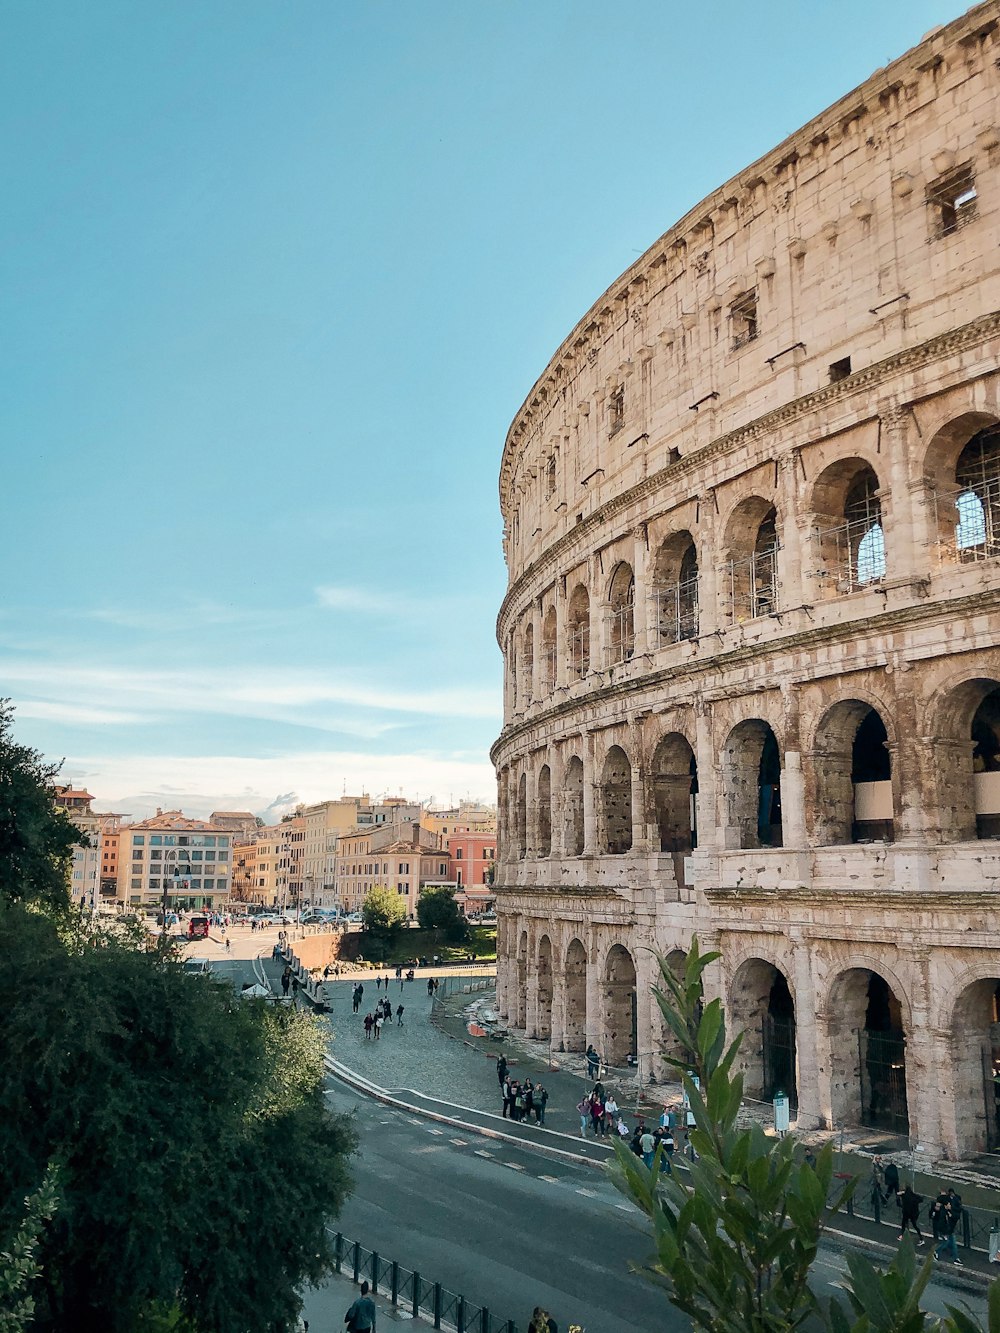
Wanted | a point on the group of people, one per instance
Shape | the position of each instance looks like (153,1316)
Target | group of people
(374,1022)
(521,1098)
(945,1211)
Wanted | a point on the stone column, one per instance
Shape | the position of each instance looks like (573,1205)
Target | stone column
(595,1013)
(928,1054)
(589,801)
(563,651)
(557,766)
(711,818)
(640,828)
(903,554)
(812,1058)
(558,1039)
(643,601)
(710,617)
(503,968)
(531,982)
(646,1045)
(790,589)
(597,590)
(793,801)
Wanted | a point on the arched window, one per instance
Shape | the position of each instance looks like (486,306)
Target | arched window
(848,536)
(752,542)
(616,802)
(521,816)
(579,631)
(527,663)
(544,811)
(573,807)
(977,476)
(675,588)
(621,599)
(864,545)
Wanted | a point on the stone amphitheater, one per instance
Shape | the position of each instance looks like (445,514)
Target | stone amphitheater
(751,630)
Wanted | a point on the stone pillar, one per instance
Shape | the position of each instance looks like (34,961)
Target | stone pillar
(557,766)
(790,592)
(907,791)
(595,1012)
(711,818)
(503,968)
(812,1055)
(902,554)
(530,810)
(646,1048)
(596,581)
(928,1054)
(643,603)
(710,614)
(563,651)
(640,828)
(531,982)
(589,801)
(793,801)
(557,1042)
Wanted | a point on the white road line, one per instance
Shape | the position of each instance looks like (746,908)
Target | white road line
(514,1166)
(481,1152)
(433,1129)
(431,1147)
(459,1143)
(553,1180)
(589,1193)
(626,1207)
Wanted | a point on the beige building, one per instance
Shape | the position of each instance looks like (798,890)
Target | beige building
(93,876)
(467,817)
(324,822)
(174,860)
(400,856)
(752,628)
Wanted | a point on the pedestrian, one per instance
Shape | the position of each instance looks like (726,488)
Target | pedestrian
(593,1062)
(286,980)
(430,985)
(228,945)
(892,1182)
(295,990)
(950,1222)
(399,1015)
(378,1025)
(541,1322)
(636,1143)
(938,1216)
(518,1102)
(539,1100)
(436,984)
(647,1146)
(583,1107)
(809,1157)
(378,983)
(528,1091)
(501,1068)
(597,1114)
(369,1024)
(669,1147)
(360,1318)
(911,1212)
(621,1127)
(508,1099)
(877,1192)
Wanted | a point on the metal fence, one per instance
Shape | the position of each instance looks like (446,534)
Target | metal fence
(412,1292)
(973,1232)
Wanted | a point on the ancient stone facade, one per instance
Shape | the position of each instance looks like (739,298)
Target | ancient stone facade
(751,632)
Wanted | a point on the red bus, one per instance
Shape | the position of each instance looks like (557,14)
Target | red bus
(198,928)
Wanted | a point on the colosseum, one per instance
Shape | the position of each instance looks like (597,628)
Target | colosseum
(751,633)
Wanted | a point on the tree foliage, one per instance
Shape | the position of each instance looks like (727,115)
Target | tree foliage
(36,836)
(735,1239)
(19,1266)
(438,910)
(384,911)
(198,1163)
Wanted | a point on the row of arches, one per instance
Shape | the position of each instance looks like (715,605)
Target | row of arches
(848,551)
(865,1030)
(850,789)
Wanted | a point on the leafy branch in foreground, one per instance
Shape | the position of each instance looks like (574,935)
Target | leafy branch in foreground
(735,1240)
(19,1266)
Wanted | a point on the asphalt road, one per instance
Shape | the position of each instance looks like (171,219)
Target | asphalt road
(508,1228)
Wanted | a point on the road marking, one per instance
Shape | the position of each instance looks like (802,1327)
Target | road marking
(589,1193)
(481,1152)
(433,1129)
(514,1166)
(553,1180)
(459,1143)
(626,1207)
(431,1147)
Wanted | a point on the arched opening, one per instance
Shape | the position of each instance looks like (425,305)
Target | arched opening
(512,673)
(967,761)
(616,802)
(847,510)
(576,997)
(579,631)
(619,1004)
(520,999)
(549,651)
(752,769)
(544,811)
(852,770)
(544,976)
(527,664)
(762,1008)
(977,503)
(573,805)
(976,1056)
(522,816)
(675,789)
(675,588)
(752,547)
(621,612)
(867,1053)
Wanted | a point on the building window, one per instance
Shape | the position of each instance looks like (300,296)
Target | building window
(550,477)
(743,319)
(951,201)
(840,370)
(616,410)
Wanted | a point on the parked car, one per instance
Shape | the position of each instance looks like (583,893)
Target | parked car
(196,967)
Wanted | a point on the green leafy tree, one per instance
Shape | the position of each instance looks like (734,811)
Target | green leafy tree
(736,1237)
(19,1266)
(438,910)
(198,1162)
(384,912)
(36,836)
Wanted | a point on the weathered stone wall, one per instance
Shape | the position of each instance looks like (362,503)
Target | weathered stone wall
(752,631)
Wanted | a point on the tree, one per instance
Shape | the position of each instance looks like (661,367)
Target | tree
(19,1266)
(198,1162)
(384,912)
(438,910)
(735,1240)
(36,836)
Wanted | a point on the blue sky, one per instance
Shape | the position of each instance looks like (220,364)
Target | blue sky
(274,279)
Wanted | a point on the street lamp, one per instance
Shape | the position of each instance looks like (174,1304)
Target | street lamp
(172,851)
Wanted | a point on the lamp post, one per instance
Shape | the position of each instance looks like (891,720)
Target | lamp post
(168,852)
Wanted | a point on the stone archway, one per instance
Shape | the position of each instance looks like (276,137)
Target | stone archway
(852,770)
(752,767)
(543,978)
(761,1006)
(575,1022)
(967,761)
(544,807)
(618,997)
(867,1053)
(616,802)
(573,807)
(976,1066)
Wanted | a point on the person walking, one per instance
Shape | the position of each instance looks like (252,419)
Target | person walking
(377,1024)
(539,1100)
(647,1146)
(938,1216)
(360,1318)
(892,1182)
(369,1023)
(583,1107)
(911,1211)
(593,1062)
(501,1068)
(399,1015)
(950,1222)
(286,980)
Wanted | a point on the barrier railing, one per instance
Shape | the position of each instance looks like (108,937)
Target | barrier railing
(410,1291)
(974,1231)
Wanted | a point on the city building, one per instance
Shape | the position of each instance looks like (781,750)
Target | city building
(173,861)
(751,631)
(473,861)
(467,817)
(93,871)
(325,821)
(401,856)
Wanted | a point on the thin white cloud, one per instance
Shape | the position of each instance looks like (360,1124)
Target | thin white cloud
(136,785)
(76,715)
